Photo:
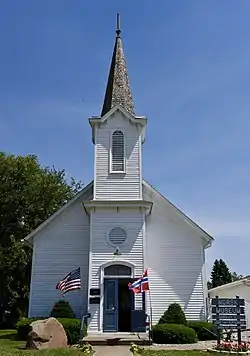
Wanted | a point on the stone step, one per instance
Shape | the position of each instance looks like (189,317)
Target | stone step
(112,339)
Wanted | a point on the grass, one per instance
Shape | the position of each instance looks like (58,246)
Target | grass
(175,353)
(11,346)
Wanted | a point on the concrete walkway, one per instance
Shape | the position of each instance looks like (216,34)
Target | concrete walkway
(112,351)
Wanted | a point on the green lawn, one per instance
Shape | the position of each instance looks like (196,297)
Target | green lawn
(10,345)
(175,353)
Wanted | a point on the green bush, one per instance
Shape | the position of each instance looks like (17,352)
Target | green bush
(199,326)
(72,328)
(62,309)
(23,327)
(173,334)
(174,315)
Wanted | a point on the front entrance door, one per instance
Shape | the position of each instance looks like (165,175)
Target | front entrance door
(125,305)
(110,308)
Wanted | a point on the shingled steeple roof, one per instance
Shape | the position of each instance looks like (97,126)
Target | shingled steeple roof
(118,90)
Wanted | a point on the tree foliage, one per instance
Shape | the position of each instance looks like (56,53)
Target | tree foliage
(29,194)
(236,277)
(62,309)
(173,315)
(220,274)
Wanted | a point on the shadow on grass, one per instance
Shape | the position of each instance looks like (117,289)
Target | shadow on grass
(11,339)
(10,336)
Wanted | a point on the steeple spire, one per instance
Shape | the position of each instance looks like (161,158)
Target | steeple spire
(118,27)
(118,90)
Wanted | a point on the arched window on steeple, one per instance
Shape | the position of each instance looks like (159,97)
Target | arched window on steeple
(117,152)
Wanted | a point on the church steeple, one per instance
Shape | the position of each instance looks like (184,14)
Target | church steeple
(118,90)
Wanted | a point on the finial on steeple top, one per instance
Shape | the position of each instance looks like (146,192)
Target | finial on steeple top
(118,90)
(118,28)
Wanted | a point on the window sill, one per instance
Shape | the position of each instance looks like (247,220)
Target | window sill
(118,172)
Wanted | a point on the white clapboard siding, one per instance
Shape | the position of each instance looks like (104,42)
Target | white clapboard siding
(60,247)
(175,260)
(118,186)
(102,221)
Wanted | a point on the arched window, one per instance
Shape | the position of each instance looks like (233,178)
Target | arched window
(117,236)
(117,270)
(117,164)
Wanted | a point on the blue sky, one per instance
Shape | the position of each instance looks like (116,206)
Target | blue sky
(189,67)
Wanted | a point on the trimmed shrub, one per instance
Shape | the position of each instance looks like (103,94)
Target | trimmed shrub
(174,315)
(72,328)
(199,326)
(173,334)
(23,327)
(62,309)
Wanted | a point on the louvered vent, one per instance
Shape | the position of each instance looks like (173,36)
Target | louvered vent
(118,151)
(117,236)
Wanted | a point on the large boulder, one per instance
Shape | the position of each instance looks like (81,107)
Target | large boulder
(46,334)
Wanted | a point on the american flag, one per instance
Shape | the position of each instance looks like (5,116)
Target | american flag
(70,282)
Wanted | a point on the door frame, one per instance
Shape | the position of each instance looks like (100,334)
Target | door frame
(102,277)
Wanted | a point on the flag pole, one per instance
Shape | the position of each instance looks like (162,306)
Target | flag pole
(81,314)
(150,311)
(151,315)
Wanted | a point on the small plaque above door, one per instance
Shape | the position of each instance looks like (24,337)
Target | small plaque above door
(95,291)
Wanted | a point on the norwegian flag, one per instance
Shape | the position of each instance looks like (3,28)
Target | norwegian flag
(140,285)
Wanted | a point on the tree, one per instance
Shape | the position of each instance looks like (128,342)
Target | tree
(173,315)
(209,284)
(29,194)
(236,277)
(220,274)
(62,309)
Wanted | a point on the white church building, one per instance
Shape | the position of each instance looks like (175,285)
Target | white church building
(117,227)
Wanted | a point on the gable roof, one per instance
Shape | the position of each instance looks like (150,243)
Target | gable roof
(96,120)
(208,238)
(87,191)
(230,285)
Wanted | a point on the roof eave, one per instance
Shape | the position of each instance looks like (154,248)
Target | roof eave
(229,285)
(29,238)
(142,120)
(97,120)
(205,235)
(90,204)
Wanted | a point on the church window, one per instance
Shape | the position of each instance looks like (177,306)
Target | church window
(117,236)
(117,152)
(117,270)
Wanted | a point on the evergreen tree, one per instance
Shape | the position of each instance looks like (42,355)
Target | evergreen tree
(209,285)
(236,277)
(173,315)
(62,309)
(220,274)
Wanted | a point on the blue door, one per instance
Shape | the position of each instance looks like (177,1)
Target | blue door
(110,308)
